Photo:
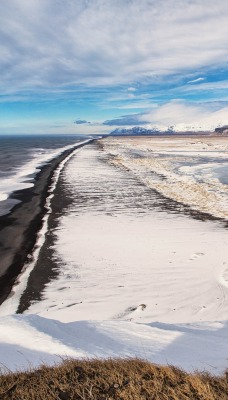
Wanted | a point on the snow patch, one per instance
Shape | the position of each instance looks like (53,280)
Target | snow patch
(29,340)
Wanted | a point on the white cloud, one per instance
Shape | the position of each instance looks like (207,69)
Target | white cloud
(131,89)
(185,116)
(96,42)
(136,105)
(175,112)
(220,85)
(196,80)
(179,114)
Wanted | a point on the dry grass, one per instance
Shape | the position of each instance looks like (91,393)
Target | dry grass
(111,379)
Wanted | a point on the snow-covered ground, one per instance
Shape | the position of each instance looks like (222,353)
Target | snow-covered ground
(29,340)
(134,280)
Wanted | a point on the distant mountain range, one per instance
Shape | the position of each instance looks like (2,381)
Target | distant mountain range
(139,131)
(136,130)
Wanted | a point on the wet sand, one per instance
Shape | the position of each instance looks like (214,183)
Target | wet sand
(46,267)
(19,228)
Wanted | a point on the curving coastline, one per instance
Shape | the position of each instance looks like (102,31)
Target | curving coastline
(19,229)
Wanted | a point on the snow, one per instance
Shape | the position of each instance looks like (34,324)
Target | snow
(112,265)
(134,280)
(29,340)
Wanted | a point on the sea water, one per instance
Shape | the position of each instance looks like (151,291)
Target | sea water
(20,160)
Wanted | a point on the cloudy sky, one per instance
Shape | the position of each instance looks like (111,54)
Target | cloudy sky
(91,65)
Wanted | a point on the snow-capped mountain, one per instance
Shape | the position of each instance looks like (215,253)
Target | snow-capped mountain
(136,130)
(142,131)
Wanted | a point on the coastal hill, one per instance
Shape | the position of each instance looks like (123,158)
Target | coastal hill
(223,130)
(111,379)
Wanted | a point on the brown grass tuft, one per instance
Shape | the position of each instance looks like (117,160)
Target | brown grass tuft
(131,379)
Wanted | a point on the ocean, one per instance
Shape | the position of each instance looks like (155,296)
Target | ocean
(20,160)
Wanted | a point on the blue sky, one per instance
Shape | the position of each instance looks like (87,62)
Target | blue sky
(112,63)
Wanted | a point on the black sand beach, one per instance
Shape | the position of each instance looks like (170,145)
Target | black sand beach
(142,198)
(46,268)
(19,228)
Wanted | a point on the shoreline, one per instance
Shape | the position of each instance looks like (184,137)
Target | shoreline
(119,256)
(122,267)
(47,267)
(40,275)
(19,229)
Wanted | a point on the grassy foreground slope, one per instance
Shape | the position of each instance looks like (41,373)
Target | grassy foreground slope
(111,379)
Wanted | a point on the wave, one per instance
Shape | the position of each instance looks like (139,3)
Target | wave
(189,172)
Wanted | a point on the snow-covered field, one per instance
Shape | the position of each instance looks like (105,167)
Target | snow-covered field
(134,279)
(27,341)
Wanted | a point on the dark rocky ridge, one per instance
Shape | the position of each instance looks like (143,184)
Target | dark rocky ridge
(223,130)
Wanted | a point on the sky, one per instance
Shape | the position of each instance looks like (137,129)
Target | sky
(89,66)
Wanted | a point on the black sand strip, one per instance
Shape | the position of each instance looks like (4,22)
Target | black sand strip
(19,229)
(46,267)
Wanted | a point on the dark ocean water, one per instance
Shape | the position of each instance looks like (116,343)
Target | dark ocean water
(21,157)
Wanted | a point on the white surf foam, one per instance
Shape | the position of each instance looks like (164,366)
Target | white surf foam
(186,168)
(22,176)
